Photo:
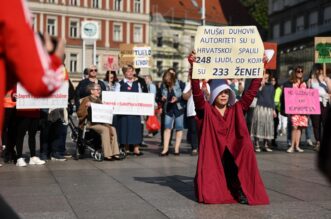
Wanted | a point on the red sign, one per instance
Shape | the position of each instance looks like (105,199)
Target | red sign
(270,52)
(302,101)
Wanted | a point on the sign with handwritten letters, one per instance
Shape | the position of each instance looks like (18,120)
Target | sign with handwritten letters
(129,103)
(302,101)
(228,52)
(139,56)
(323,49)
(58,99)
(101,113)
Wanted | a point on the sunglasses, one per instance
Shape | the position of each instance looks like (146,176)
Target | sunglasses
(299,71)
(98,89)
(95,70)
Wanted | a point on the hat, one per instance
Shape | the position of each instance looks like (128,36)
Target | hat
(216,87)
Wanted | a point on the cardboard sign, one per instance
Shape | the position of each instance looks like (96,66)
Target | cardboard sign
(302,101)
(129,103)
(101,113)
(58,99)
(110,63)
(228,52)
(322,49)
(137,55)
(270,52)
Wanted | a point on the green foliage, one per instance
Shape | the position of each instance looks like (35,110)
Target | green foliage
(258,9)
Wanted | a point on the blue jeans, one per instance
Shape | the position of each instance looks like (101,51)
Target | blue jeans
(169,122)
(58,135)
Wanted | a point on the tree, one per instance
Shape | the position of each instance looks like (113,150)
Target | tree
(258,9)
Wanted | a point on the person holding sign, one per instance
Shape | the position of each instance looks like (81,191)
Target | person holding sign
(227,169)
(298,122)
(129,126)
(319,81)
(107,132)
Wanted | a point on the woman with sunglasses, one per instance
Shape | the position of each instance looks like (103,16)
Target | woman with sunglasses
(298,122)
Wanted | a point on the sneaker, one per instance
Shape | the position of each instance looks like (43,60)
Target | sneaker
(194,152)
(57,157)
(21,162)
(310,143)
(299,150)
(257,150)
(36,161)
(267,149)
(290,150)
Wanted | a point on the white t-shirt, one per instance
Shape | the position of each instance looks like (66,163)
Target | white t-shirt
(190,107)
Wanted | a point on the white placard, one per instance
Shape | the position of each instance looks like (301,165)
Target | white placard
(129,103)
(142,51)
(228,52)
(101,113)
(58,99)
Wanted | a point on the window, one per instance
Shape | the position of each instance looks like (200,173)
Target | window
(275,31)
(175,65)
(138,34)
(118,5)
(300,24)
(176,41)
(287,28)
(159,39)
(73,32)
(73,2)
(95,4)
(73,62)
(327,15)
(34,23)
(159,67)
(192,42)
(97,60)
(51,26)
(137,6)
(51,1)
(313,19)
(117,32)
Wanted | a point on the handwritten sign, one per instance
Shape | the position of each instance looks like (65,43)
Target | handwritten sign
(110,63)
(101,113)
(228,52)
(302,101)
(139,56)
(323,49)
(59,99)
(270,52)
(129,103)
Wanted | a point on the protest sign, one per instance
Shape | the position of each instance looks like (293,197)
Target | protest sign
(302,101)
(136,55)
(270,52)
(101,113)
(59,99)
(322,49)
(110,63)
(228,52)
(129,103)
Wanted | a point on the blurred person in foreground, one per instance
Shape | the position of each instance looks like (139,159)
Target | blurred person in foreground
(22,56)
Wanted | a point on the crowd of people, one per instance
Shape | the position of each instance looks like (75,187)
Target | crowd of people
(175,109)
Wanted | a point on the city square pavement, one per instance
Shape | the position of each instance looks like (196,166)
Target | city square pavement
(155,187)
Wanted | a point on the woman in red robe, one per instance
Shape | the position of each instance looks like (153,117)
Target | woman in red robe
(227,169)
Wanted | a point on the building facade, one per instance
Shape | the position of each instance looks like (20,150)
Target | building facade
(173,27)
(293,25)
(120,21)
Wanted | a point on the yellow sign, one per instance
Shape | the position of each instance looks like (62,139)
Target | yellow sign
(228,52)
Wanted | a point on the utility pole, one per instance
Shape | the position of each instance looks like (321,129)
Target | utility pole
(203,13)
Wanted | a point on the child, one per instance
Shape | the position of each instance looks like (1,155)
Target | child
(227,170)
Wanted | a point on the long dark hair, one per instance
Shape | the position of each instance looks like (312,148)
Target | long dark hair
(294,78)
(114,75)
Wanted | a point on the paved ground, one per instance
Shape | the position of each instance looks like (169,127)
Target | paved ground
(154,187)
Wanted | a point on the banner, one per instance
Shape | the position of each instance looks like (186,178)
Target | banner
(228,52)
(137,55)
(101,113)
(129,103)
(58,99)
(110,63)
(270,52)
(302,101)
(322,49)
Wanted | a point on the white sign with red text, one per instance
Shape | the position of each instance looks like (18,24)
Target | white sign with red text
(129,103)
(58,99)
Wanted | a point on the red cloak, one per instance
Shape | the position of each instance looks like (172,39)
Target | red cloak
(218,133)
